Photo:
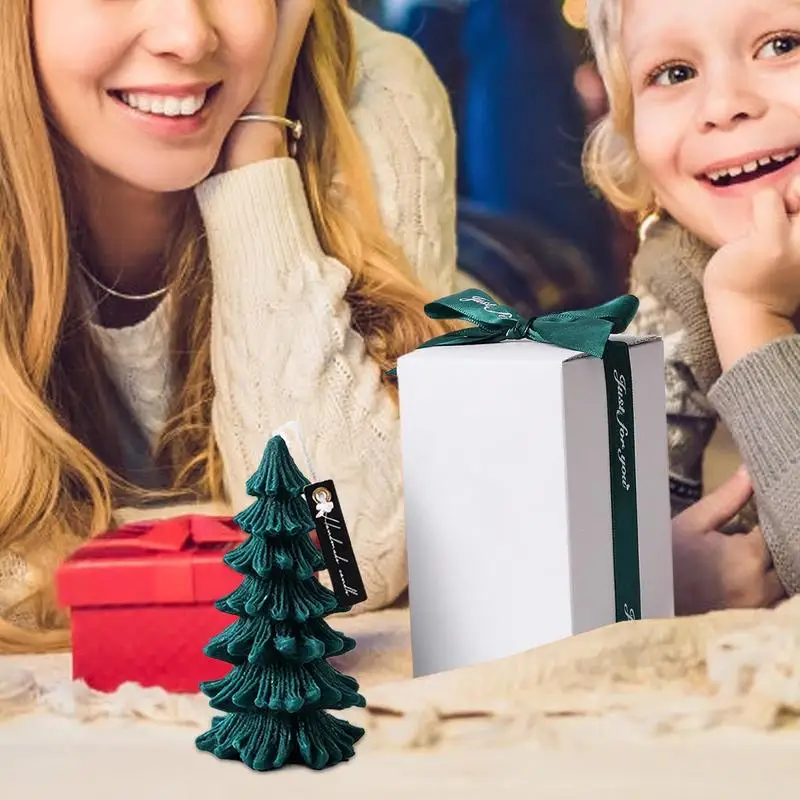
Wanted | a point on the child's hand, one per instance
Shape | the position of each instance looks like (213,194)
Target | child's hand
(713,570)
(752,285)
(761,270)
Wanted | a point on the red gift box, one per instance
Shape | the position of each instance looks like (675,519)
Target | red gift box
(142,602)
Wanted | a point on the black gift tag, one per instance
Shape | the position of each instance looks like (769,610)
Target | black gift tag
(335,543)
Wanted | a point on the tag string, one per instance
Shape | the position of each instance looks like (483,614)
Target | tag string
(294,427)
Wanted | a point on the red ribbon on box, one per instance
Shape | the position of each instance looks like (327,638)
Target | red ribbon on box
(171,535)
(176,560)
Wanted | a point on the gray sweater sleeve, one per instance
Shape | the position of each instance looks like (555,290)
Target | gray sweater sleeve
(758,398)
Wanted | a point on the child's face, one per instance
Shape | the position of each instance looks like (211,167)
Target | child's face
(96,58)
(716,97)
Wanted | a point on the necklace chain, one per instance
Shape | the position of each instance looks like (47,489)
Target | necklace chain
(296,129)
(110,290)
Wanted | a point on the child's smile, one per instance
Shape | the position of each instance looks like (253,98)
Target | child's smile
(716,100)
(750,168)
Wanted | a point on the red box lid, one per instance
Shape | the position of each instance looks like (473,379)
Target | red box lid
(176,560)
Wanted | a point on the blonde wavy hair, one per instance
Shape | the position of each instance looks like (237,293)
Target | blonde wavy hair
(610,160)
(58,480)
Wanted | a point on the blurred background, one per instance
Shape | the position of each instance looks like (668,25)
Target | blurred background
(524,93)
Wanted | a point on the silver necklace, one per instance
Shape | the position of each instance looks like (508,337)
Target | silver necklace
(110,290)
(295,128)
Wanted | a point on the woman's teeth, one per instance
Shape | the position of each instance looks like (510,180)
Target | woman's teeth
(752,169)
(164,105)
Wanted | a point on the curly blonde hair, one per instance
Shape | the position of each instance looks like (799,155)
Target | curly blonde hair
(610,160)
(57,480)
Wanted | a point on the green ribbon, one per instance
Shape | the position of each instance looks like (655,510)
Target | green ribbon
(585,331)
(622,462)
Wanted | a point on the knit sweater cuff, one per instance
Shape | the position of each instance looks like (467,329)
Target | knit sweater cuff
(758,398)
(260,214)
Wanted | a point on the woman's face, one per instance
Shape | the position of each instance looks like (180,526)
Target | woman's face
(716,96)
(147,90)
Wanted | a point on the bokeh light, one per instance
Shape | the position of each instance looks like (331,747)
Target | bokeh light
(574,12)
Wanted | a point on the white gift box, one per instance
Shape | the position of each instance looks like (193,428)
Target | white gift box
(507,462)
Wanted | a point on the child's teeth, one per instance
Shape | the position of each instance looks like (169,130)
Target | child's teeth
(752,166)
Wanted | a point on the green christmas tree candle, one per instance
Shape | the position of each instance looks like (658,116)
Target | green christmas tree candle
(278,693)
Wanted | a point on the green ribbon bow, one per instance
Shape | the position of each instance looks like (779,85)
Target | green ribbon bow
(586,331)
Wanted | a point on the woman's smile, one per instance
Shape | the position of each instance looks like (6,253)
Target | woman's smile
(168,110)
(148,92)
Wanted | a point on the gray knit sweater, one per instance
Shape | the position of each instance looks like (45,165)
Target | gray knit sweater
(758,398)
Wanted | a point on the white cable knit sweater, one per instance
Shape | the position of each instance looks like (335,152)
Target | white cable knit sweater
(282,345)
